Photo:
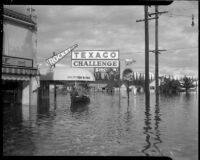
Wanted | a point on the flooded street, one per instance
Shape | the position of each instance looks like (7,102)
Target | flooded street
(109,126)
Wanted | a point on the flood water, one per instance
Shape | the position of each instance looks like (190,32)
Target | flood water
(109,125)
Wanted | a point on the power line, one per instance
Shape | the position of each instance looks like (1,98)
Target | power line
(168,49)
(181,48)
(192,16)
(172,14)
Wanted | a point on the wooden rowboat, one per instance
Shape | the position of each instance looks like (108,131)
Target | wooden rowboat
(80,99)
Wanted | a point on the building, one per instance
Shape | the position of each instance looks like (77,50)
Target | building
(20,77)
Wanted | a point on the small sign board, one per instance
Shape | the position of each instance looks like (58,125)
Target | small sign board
(104,70)
(16,61)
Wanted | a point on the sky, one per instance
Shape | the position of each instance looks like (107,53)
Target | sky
(114,27)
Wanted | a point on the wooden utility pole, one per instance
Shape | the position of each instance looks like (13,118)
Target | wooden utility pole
(156,50)
(147,95)
(146,27)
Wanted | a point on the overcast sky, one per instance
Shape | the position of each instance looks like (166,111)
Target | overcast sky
(115,28)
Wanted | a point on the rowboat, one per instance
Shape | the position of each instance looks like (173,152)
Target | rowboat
(80,99)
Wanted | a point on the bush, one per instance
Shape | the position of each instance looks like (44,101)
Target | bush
(170,86)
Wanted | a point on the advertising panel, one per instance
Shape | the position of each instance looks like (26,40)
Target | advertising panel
(96,58)
(95,54)
(95,63)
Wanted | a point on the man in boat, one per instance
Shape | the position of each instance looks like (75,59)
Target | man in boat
(79,94)
(73,92)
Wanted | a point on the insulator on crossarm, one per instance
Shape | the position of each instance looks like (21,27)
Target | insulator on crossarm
(192,21)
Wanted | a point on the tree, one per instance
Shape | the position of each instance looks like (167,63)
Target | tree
(170,86)
(187,83)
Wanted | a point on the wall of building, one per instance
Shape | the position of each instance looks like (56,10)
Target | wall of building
(20,41)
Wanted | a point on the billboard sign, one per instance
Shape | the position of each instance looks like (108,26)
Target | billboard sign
(95,58)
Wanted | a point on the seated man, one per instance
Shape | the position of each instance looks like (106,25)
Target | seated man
(73,92)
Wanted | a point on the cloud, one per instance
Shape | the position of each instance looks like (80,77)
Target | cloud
(115,28)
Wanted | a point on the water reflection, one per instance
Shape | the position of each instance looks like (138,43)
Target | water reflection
(12,118)
(12,114)
(187,96)
(157,100)
(128,101)
(156,128)
(43,110)
(43,106)
(108,125)
(128,120)
(147,128)
(17,138)
(79,107)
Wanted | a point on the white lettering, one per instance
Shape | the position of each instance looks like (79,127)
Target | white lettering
(55,59)
(105,54)
(51,61)
(60,56)
(95,55)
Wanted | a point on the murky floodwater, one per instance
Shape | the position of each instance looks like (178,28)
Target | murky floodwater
(109,126)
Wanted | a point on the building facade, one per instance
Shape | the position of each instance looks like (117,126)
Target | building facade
(20,77)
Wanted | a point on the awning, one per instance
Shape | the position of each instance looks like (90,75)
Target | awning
(69,74)
(15,77)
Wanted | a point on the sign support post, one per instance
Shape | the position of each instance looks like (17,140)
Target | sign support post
(55,92)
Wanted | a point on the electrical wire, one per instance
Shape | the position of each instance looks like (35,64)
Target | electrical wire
(181,48)
(169,49)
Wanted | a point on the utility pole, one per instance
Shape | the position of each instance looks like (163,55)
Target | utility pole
(147,95)
(147,56)
(156,50)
